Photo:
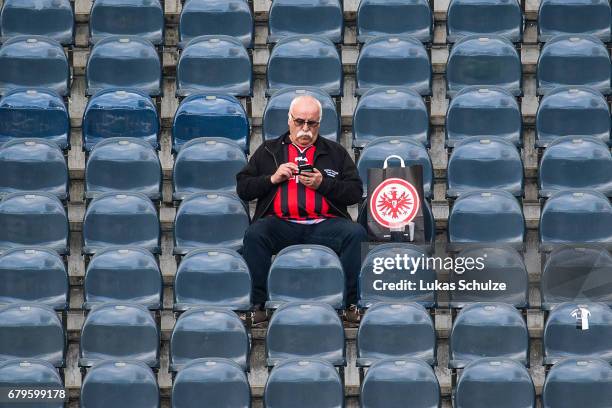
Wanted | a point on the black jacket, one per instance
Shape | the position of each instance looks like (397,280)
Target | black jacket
(341,185)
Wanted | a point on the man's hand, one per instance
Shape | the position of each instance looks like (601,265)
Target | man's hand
(284,172)
(311,180)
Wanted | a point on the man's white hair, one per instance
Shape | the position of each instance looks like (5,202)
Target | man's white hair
(304,97)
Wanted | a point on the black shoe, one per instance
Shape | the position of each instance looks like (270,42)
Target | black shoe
(352,314)
(259,315)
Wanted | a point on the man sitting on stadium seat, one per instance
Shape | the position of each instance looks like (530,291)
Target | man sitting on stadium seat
(303,184)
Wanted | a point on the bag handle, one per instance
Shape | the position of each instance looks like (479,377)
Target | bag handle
(393,156)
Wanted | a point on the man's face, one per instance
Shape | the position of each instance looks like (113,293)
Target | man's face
(304,112)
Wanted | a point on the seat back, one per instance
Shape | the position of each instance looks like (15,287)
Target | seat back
(489,17)
(31,374)
(574,17)
(140,18)
(306,17)
(49,18)
(396,17)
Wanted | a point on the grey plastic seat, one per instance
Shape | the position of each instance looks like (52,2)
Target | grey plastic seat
(565,334)
(111,274)
(119,331)
(140,18)
(216,17)
(394,61)
(33,219)
(31,332)
(216,219)
(209,332)
(306,273)
(123,165)
(488,17)
(396,331)
(576,274)
(303,383)
(574,17)
(482,112)
(484,61)
(34,62)
(292,59)
(400,383)
(33,165)
(484,164)
(395,17)
(121,385)
(31,374)
(121,219)
(306,17)
(388,111)
(49,18)
(305,330)
(33,275)
(488,330)
(574,60)
(214,63)
(218,381)
(124,62)
(492,382)
(212,277)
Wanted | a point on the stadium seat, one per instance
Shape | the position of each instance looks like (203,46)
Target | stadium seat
(565,333)
(216,17)
(305,330)
(119,331)
(32,374)
(120,113)
(488,17)
(140,18)
(491,382)
(405,383)
(210,219)
(488,330)
(124,62)
(306,273)
(477,112)
(396,17)
(48,18)
(33,219)
(276,111)
(394,61)
(306,17)
(218,381)
(111,274)
(574,17)
(304,383)
(484,164)
(292,59)
(123,165)
(33,165)
(485,62)
(31,332)
(576,274)
(34,62)
(214,63)
(121,219)
(207,164)
(212,277)
(120,384)
(209,332)
(574,60)
(33,275)
(385,111)
(396,331)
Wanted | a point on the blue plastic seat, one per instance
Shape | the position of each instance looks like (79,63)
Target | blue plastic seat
(485,62)
(394,61)
(33,375)
(49,18)
(488,330)
(394,17)
(33,219)
(484,164)
(214,63)
(216,17)
(111,274)
(574,17)
(292,59)
(306,17)
(574,60)
(488,17)
(387,111)
(140,18)
(33,275)
(124,62)
(121,219)
(34,62)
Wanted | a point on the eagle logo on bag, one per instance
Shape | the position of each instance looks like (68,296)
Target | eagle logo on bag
(394,203)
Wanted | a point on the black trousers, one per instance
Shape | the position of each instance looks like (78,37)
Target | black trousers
(268,235)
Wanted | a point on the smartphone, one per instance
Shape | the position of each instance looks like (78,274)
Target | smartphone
(305,168)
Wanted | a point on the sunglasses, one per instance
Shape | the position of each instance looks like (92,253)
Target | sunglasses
(301,122)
